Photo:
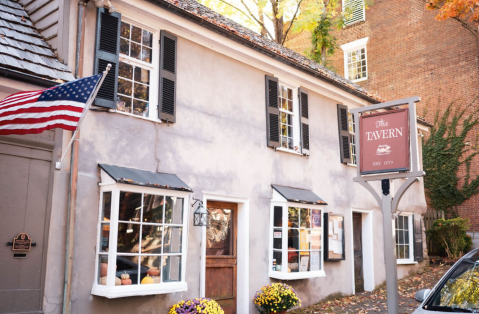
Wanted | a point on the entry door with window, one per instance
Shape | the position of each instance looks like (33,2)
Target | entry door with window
(221,255)
(358,252)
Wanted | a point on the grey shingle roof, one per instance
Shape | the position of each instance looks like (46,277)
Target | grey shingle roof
(22,47)
(204,16)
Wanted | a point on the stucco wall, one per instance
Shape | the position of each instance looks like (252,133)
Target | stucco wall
(218,145)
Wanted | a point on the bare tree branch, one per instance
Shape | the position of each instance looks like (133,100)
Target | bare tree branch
(254,17)
(236,8)
(468,27)
(292,22)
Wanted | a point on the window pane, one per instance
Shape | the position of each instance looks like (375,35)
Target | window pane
(406,251)
(152,264)
(290,105)
(125,87)
(293,217)
(151,239)
(129,265)
(316,218)
(304,239)
(277,239)
(293,261)
(106,208)
(278,216)
(401,237)
(171,268)
(104,237)
(406,236)
(128,238)
(141,91)
(125,70)
(136,34)
(400,224)
(124,46)
(153,208)
(218,232)
(304,261)
(401,251)
(102,269)
(172,240)
(277,260)
(147,38)
(305,219)
(130,205)
(142,75)
(125,30)
(135,51)
(315,263)
(316,239)
(123,104)
(140,108)
(293,239)
(174,210)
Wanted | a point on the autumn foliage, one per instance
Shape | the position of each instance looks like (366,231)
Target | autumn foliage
(465,10)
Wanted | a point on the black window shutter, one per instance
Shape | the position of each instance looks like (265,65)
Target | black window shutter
(418,249)
(167,95)
(272,111)
(107,50)
(344,140)
(304,110)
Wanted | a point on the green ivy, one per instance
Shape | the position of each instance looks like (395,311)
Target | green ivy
(444,153)
(323,41)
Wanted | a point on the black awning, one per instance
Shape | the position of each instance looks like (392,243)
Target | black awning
(145,178)
(299,195)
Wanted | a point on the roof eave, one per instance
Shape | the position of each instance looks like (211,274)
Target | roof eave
(27,78)
(172,8)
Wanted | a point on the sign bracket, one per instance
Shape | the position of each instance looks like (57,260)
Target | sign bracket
(386,201)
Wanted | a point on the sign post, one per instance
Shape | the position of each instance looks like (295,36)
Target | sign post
(387,149)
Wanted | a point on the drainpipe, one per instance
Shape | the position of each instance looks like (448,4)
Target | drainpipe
(72,189)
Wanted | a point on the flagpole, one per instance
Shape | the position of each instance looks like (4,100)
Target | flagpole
(87,107)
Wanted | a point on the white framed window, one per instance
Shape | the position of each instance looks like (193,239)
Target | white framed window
(138,70)
(352,144)
(354,11)
(403,226)
(142,234)
(355,60)
(289,118)
(296,234)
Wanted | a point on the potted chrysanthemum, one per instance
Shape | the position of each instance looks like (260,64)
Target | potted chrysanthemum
(198,305)
(276,298)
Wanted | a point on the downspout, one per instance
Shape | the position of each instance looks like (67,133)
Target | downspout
(72,189)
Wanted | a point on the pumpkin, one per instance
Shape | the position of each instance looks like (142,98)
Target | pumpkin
(103,269)
(125,279)
(117,281)
(103,280)
(147,280)
(154,271)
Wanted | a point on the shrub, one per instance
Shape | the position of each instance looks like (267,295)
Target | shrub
(450,235)
(275,298)
(198,305)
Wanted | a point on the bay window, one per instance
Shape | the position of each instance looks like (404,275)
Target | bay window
(142,241)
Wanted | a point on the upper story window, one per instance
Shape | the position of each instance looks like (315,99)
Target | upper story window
(352,144)
(354,11)
(142,81)
(142,241)
(135,68)
(355,60)
(289,121)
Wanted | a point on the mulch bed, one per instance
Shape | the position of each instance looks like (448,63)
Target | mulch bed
(375,302)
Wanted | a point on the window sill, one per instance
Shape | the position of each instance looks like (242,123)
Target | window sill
(134,116)
(406,262)
(281,149)
(138,290)
(360,80)
(295,276)
(353,165)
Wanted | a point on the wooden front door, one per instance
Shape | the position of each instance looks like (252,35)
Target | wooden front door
(358,252)
(221,255)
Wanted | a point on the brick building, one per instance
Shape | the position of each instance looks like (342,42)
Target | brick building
(398,49)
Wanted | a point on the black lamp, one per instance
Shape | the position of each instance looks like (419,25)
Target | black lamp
(200,215)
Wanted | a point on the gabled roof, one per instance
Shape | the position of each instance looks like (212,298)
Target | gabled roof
(210,19)
(23,49)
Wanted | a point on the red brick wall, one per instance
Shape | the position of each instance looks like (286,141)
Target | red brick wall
(410,53)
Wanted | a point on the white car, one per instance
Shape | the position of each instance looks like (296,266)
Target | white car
(457,291)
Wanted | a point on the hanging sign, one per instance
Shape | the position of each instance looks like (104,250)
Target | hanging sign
(385,142)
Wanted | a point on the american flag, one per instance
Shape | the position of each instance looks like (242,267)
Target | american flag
(56,107)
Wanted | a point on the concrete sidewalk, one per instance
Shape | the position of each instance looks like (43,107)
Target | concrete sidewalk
(375,302)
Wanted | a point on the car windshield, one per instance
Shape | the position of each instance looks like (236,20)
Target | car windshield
(460,290)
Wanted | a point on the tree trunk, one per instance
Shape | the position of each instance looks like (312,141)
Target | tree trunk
(261,19)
